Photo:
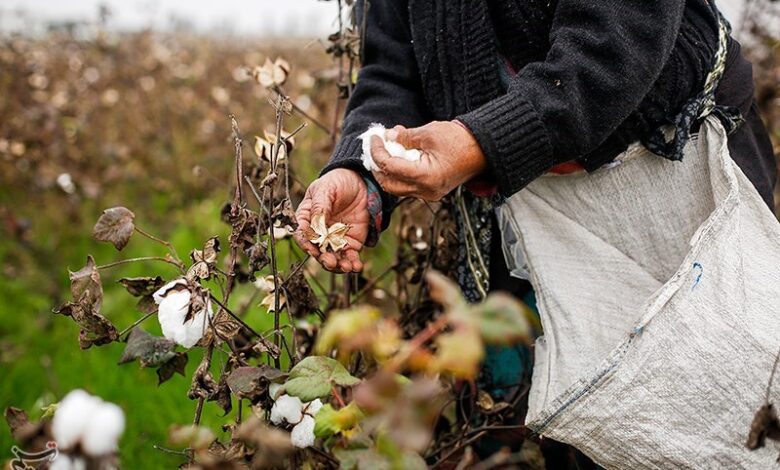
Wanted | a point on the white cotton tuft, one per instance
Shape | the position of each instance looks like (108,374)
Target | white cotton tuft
(287,408)
(273,390)
(73,417)
(302,434)
(102,435)
(89,421)
(393,148)
(161,293)
(313,407)
(173,304)
(64,462)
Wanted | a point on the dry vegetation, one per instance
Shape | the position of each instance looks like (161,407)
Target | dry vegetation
(142,121)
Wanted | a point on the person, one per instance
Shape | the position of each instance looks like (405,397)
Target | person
(496,93)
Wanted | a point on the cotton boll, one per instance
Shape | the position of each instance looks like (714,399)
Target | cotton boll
(174,304)
(64,462)
(273,390)
(171,313)
(302,434)
(393,148)
(163,291)
(191,332)
(313,407)
(86,420)
(106,426)
(286,408)
(73,417)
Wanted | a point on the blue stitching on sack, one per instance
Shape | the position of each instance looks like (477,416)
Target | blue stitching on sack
(698,277)
(587,388)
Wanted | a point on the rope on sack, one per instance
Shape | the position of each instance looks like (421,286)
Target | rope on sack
(698,107)
(474,253)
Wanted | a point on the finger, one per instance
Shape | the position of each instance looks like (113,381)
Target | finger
(396,167)
(329,261)
(322,197)
(409,138)
(354,258)
(305,244)
(378,149)
(303,217)
(345,265)
(392,134)
(395,186)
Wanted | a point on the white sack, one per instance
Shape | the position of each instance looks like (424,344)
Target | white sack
(658,285)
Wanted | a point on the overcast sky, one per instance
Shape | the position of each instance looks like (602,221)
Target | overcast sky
(241,17)
(310,18)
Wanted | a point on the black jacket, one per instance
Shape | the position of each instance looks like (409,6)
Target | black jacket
(593,76)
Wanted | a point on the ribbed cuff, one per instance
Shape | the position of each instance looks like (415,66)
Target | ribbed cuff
(513,139)
(347,155)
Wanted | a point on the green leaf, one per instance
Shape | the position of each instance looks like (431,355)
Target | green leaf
(152,351)
(315,376)
(191,436)
(371,459)
(358,459)
(49,410)
(329,421)
(413,461)
(502,320)
(444,291)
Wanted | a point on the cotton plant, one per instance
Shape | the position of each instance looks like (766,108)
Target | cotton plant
(182,315)
(88,423)
(292,411)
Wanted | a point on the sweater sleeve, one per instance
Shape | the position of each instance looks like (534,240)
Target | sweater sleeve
(388,89)
(604,57)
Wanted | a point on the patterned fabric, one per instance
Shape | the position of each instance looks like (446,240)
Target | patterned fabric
(703,104)
(374,212)
(474,225)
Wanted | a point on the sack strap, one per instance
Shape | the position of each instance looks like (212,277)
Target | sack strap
(698,107)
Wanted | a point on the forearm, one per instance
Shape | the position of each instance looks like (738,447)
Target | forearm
(603,60)
(388,89)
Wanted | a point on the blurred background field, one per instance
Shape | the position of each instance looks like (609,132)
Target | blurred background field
(92,117)
(135,119)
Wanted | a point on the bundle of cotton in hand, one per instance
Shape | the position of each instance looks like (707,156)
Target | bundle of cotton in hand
(393,148)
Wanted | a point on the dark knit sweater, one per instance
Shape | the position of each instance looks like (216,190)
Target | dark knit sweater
(593,76)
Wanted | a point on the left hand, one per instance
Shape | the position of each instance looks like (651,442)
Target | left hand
(450,157)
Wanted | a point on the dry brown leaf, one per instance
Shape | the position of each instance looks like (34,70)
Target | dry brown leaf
(115,225)
(85,285)
(765,425)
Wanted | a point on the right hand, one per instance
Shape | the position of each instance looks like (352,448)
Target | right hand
(341,196)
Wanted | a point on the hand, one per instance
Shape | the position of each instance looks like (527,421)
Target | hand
(450,157)
(341,196)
